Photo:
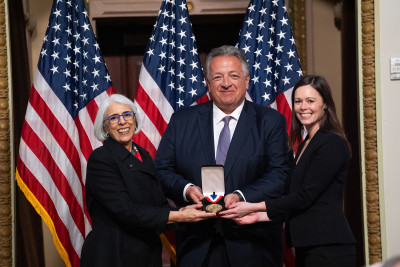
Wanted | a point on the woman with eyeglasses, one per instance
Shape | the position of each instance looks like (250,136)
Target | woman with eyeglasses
(124,198)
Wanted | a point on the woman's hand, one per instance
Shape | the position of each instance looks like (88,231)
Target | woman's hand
(253,218)
(191,213)
(195,215)
(241,209)
(193,206)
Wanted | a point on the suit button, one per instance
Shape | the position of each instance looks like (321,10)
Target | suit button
(130,166)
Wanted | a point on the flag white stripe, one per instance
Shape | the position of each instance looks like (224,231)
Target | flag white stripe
(248,97)
(60,112)
(36,167)
(148,128)
(155,94)
(288,96)
(87,125)
(101,98)
(57,153)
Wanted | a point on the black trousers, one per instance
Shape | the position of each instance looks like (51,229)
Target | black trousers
(217,255)
(343,255)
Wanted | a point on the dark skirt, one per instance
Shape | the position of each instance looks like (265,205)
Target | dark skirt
(343,255)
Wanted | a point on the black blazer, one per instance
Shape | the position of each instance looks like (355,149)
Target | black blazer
(256,164)
(314,204)
(127,207)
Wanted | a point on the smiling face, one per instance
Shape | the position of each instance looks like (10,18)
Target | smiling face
(227,82)
(309,108)
(123,131)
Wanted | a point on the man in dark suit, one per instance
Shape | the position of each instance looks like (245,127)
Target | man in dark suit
(255,166)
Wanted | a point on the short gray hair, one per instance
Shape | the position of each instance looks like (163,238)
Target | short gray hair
(99,130)
(227,50)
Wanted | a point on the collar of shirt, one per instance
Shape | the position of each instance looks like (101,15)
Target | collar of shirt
(218,124)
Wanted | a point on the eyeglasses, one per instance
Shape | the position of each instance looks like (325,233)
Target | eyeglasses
(113,119)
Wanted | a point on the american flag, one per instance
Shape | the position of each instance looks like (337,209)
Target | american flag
(171,76)
(57,136)
(267,40)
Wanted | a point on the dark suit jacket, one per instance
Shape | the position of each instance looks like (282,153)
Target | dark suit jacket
(127,207)
(315,201)
(256,164)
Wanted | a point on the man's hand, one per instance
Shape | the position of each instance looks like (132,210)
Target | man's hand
(230,199)
(194,194)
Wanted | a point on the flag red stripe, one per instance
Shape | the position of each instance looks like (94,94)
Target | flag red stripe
(45,200)
(92,108)
(203,99)
(150,109)
(63,139)
(110,90)
(289,257)
(144,142)
(41,152)
(56,129)
(284,108)
(84,142)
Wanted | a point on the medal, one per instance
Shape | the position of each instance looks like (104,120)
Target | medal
(214,208)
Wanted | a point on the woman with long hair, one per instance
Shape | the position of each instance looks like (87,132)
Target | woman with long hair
(313,207)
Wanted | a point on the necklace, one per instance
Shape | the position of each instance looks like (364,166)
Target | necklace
(136,153)
(134,150)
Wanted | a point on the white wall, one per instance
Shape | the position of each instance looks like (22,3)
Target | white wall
(388,92)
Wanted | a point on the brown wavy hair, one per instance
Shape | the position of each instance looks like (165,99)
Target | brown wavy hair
(329,121)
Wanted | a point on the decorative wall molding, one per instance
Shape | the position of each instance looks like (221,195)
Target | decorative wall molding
(370,131)
(300,31)
(5,148)
(143,8)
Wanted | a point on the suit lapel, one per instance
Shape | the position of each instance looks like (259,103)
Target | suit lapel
(205,123)
(246,121)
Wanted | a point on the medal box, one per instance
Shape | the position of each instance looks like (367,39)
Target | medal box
(213,186)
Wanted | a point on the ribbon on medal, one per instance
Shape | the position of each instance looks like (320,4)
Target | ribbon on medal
(214,198)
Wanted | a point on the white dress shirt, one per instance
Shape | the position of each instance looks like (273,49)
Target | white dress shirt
(218,124)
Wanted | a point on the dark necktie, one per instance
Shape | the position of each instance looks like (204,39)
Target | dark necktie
(223,142)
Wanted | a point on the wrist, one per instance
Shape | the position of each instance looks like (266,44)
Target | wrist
(241,199)
(260,207)
(185,192)
(175,216)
